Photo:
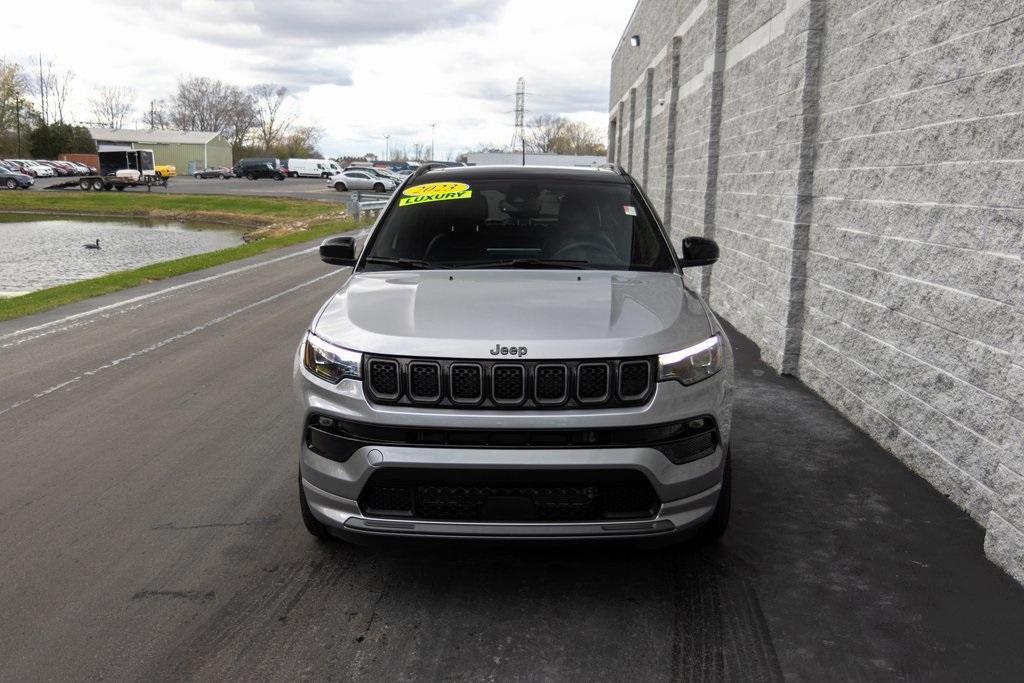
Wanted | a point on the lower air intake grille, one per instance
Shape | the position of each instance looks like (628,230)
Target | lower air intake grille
(497,498)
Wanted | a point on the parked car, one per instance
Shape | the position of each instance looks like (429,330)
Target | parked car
(379,172)
(58,169)
(255,168)
(79,169)
(166,171)
(35,169)
(515,355)
(221,172)
(311,168)
(13,181)
(360,179)
(69,167)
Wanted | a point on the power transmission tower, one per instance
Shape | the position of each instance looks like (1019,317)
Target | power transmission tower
(518,137)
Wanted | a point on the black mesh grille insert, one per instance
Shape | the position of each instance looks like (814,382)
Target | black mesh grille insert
(384,377)
(634,378)
(468,496)
(467,382)
(424,381)
(388,500)
(592,382)
(509,383)
(550,383)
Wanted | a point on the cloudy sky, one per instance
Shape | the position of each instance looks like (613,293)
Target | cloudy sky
(360,69)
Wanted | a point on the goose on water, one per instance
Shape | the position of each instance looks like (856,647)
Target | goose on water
(93,246)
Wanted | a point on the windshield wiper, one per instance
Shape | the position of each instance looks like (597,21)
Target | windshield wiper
(409,263)
(529,263)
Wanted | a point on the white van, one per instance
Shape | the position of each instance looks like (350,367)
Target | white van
(311,168)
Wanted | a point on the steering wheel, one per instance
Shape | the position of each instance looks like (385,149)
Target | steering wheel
(601,249)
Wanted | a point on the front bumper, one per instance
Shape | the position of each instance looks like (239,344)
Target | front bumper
(686,493)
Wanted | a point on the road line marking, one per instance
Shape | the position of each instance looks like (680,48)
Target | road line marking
(169,340)
(165,290)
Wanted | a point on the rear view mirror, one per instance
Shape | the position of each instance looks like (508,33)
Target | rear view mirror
(338,251)
(698,251)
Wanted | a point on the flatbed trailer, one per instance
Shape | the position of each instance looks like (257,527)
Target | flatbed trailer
(120,169)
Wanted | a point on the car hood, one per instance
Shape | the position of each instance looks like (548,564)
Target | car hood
(554,314)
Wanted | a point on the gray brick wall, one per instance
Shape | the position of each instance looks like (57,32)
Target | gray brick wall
(861,164)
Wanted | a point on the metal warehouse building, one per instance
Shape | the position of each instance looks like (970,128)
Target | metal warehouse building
(186,150)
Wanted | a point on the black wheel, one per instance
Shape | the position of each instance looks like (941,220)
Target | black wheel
(11,184)
(198,176)
(340,187)
(312,524)
(278,176)
(250,176)
(719,522)
(325,176)
(84,184)
(378,187)
(119,188)
(222,176)
(108,187)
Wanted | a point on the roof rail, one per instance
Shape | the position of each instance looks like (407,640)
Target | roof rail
(611,166)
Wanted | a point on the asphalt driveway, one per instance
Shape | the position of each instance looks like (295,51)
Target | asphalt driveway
(149,530)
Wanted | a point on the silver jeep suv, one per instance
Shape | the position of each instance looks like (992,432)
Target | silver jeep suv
(515,356)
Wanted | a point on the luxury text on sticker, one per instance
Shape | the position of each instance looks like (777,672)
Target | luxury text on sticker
(434,192)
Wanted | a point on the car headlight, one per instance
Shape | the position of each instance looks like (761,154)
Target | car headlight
(692,364)
(330,362)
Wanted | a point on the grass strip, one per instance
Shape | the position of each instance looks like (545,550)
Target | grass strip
(45,299)
(256,209)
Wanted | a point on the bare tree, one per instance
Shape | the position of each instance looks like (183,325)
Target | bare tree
(302,142)
(14,83)
(545,132)
(52,87)
(273,113)
(241,118)
(157,117)
(112,105)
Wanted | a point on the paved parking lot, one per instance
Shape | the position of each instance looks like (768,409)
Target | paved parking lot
(150,530)
(296,188)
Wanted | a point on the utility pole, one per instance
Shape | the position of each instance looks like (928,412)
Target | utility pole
(152,114)
(517,131)
(387,148)
(431,142)
(17,120)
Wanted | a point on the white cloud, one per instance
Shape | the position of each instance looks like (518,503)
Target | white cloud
(361,70)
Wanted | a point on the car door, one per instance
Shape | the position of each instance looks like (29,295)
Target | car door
(357,180)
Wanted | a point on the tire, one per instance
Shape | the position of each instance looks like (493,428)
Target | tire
(119,188)
(97,185)
(378,187)
(250,176)
(278,176)
(715,527)
(198,176)
(312,524)
(84,184)
(108,187)
(222,176)
(325,176)
(11,184)
(340,187)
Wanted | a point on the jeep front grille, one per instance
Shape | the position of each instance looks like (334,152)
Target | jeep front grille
(509,384)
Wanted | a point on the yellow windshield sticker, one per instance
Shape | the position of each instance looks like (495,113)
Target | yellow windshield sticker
(434,192)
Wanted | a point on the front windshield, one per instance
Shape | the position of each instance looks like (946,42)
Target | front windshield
(519,223)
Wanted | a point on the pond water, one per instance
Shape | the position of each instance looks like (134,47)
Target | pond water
(38,252)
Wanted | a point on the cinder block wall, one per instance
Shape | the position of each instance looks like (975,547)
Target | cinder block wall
(861,165)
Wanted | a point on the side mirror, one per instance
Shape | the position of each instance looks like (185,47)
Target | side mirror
(698,251)
(338,251)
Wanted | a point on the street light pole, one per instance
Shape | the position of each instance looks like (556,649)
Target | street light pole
(387,148)
(17,119)
(432,142)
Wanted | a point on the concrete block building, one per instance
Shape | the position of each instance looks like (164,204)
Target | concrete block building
(861,165)
(188,151)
